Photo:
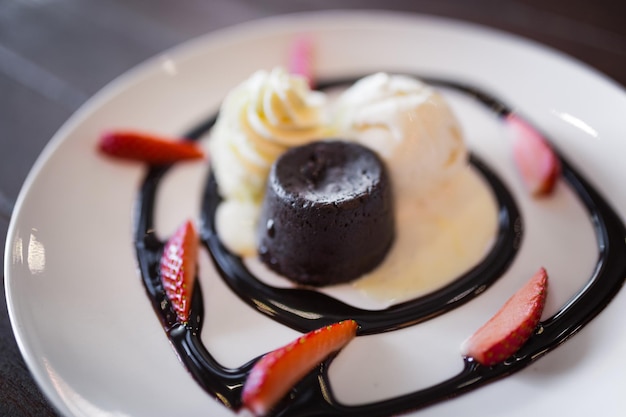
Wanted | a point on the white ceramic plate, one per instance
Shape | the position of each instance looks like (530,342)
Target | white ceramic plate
(81,315)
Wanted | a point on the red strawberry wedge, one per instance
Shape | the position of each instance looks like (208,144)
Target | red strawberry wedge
(278,371)
(178,268)
(512,325)
(536,161)
(301,58)
(148,148)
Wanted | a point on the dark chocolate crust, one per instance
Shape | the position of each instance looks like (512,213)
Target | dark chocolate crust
(327,216)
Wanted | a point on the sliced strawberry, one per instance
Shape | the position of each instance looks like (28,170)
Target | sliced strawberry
(538,164)
(512,325)
(145,147)
(178,268)
(301,58)
(278,371)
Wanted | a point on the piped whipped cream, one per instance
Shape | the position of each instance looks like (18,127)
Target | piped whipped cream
(258,121)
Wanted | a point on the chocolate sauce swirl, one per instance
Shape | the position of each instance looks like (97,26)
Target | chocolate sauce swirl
(307,309)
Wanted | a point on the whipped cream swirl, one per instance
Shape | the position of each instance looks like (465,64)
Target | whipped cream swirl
(258,121)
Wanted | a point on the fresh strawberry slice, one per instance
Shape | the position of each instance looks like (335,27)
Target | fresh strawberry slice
(145,147)
(538,164)
(301,58)
(512,325)
(277,372)
(178,268)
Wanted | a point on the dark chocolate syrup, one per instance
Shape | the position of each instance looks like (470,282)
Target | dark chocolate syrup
(307,309)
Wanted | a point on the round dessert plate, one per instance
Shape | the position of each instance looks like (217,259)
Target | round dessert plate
(76,300)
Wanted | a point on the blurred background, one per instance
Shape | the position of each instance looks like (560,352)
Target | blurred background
(55,54)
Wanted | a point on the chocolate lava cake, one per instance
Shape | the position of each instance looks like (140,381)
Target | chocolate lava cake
(327,216)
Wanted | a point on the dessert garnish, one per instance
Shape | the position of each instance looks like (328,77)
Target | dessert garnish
(536,161)
(277,372)
(147,147)
(327,216)
(511,326)
(178,269)
(301,58)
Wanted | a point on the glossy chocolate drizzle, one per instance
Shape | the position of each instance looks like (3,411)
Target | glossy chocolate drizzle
(306,309)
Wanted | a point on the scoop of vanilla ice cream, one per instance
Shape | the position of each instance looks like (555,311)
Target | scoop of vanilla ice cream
(410,126)
(258,121)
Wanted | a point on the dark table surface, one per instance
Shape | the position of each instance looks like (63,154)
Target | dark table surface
(54,54)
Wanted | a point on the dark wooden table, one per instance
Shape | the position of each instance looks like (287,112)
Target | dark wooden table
(54,54)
